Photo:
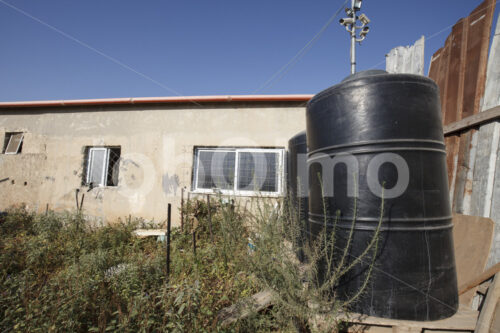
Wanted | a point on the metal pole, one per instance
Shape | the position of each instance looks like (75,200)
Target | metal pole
(188,219)
(353,39)
(81,202)
(210,218)
(182,209)
(169,221)
(194,243)
(76,198)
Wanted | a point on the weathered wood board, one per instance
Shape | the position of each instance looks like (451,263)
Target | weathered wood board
(141,233)
(490,308)
(406,59)
(472,236)
(244,308)
(464,320)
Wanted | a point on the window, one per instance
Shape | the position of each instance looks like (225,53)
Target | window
(240,171)
(102,166)
(13,143)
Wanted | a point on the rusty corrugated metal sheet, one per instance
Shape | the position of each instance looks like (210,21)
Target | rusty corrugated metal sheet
(459,69)
(485,197)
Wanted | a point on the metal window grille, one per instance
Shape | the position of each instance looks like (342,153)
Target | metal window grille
(239,171)
(13,143)
(258,171)
(102,166)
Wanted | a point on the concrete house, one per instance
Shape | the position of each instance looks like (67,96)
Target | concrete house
(133,155)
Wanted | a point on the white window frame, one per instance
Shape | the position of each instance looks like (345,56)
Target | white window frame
(104,178)
(281,171)
(18,146)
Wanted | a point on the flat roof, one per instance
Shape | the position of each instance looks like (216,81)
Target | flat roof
(158,100)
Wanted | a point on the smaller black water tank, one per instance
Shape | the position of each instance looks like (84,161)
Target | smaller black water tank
(297,187)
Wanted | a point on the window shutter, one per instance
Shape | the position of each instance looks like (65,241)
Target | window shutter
(15,141)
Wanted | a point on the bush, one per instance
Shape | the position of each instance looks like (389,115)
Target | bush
(59,274)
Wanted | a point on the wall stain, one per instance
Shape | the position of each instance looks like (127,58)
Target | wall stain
(170,184)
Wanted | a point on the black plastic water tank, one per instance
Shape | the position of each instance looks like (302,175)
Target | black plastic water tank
(378,138)
(297,187)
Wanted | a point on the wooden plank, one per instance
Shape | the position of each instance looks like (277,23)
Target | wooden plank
(434,65)
(495,324)
(452,147)
(244,308)
(483,288)
(456,42)
(453,104)
(479,27)
(462,146)
(479,279)
(141,233)
(464,320)
(446,331)
(358,328)
(473,236)
(451,143)
(469,174)
(488,310)
(442,76)
(475,120)
(462,171)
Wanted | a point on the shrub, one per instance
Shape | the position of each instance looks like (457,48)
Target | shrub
(57,273)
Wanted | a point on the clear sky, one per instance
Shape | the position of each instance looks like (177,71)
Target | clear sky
(193,47)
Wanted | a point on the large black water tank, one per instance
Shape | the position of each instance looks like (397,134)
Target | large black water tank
(297,187)
(377,130)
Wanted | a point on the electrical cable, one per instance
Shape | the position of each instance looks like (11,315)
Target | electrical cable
(286,68)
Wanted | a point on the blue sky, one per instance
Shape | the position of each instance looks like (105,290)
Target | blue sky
(193,47)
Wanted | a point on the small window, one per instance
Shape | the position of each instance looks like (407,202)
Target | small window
(13,143)
(239,171)
(102,166)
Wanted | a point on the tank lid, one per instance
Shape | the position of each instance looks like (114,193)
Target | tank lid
(362,74)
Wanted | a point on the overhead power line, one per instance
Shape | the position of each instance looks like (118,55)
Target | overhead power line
(286,68)
(110,58)
(437,33)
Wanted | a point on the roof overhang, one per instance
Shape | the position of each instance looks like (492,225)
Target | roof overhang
(158,100)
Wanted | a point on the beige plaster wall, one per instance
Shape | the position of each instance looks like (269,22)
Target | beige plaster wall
(157,144)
